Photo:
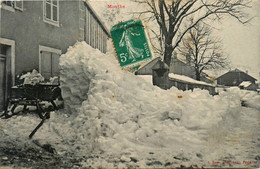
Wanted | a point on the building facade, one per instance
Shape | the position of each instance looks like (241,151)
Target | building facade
(177,66)
(147,68)
(234,78)
(33,34)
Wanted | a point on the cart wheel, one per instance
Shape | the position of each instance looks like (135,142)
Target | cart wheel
(10,108)
(41,112)
(2,114)
(25,109)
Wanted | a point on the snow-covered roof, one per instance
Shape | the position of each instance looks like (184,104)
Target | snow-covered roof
(160,65)
(187,79)
(245,84)
(235,70)
(102,24)
(153,61)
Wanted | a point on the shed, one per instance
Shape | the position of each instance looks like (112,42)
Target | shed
(248,85)
(234,78)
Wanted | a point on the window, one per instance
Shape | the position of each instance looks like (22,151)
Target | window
(49,61)
(8,3)
(51,12)
(13,4)
(18,4)
(81,20)
(49,64)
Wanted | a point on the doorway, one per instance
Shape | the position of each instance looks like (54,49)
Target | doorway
(5,74)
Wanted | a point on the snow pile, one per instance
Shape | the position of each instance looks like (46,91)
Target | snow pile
(54,80)
(116,119)
(245,84)
(147,78)
(124,116)
(32,77)
(250,98)
(75,78)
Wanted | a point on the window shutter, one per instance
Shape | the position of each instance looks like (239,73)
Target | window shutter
(48,11)
(55,13)
(46,66)
(55,64)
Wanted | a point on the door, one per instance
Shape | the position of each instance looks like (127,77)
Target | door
(2,81)
(5,74)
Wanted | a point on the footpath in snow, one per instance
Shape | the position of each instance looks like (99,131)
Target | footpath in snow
(117,119)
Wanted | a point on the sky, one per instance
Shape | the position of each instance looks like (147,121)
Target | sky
(241,42)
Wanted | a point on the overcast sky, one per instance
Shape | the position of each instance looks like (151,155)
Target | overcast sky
(241,42)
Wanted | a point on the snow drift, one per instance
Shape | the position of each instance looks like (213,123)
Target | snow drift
(124,116)
(113,118)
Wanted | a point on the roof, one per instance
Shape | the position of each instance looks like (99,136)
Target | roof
(154,60)
(160,65)
(147,67)
(96,17)
(178,60)
(235,71)
(187,79)
(245,84)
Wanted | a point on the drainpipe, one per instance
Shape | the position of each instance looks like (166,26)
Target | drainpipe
(0,17)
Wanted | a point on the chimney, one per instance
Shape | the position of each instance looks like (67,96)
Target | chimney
(246,71)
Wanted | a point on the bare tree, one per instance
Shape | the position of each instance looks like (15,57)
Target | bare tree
(172,15)
(202,51)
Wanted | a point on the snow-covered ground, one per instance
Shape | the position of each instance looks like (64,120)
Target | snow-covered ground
(113,118)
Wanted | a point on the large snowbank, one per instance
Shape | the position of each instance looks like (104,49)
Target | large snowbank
(124,115)
(113,118)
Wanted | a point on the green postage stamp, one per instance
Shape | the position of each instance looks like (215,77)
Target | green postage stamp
(130,42)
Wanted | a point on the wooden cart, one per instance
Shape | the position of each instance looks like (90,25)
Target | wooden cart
(33,95)
(38,95)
